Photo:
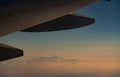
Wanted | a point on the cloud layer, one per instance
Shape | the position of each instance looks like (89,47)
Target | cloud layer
(57,59)
(42,67)
(44,59)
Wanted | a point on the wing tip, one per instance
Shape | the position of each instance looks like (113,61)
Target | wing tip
(7,52)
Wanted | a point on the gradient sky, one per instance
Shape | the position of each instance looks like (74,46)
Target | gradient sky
(96,45)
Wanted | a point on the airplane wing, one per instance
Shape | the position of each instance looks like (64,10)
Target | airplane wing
(69,21)
(16,15)
(40,16)
(8,52)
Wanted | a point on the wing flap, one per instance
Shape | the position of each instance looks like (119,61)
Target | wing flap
(70,21)
(8,52)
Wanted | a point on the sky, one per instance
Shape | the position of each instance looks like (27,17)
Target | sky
(70,53)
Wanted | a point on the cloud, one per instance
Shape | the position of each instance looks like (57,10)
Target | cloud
(41,59)
(47,59)
(58,59)
(20,70)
